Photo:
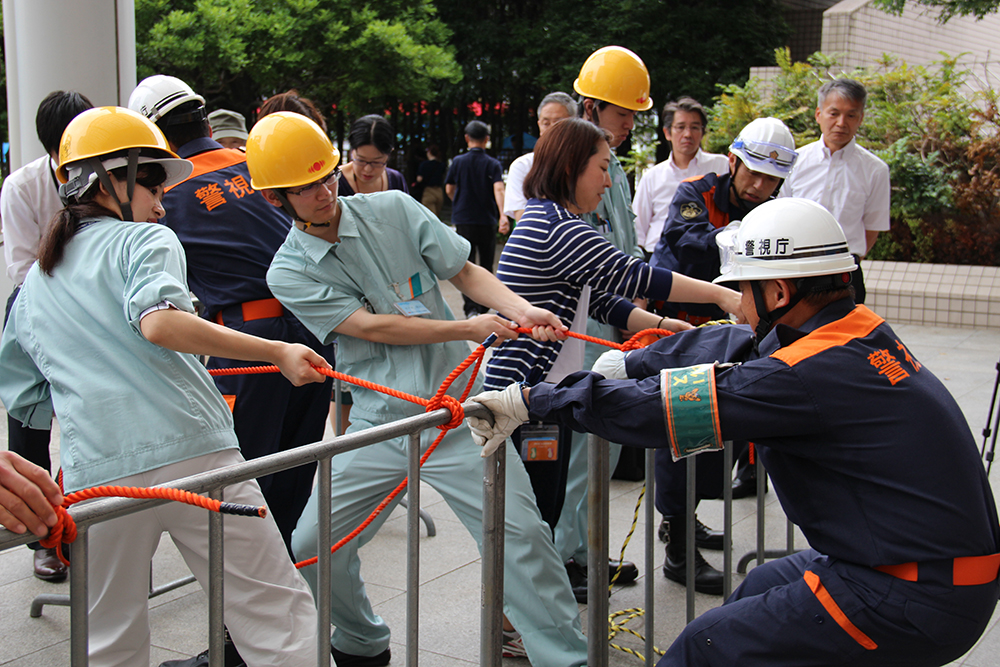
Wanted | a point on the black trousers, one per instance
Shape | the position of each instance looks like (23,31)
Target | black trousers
(484,244)
(548,478)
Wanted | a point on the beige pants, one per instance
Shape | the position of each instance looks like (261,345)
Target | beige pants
(269,609)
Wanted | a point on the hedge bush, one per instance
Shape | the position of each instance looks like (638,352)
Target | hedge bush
(939,135)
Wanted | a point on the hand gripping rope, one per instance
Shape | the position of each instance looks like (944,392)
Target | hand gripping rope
(65,531)
(440,400)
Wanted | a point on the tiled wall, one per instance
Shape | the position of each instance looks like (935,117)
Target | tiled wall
(934,294)
(861,33)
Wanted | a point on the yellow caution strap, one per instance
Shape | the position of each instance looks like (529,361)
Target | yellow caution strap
(691,410)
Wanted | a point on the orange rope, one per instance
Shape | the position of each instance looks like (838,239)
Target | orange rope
(65,531)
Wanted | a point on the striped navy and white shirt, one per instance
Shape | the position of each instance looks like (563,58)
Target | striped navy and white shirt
(550,257)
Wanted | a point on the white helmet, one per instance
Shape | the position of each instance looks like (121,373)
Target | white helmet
(157,95)
(765,145)
(793,239)
(785,238)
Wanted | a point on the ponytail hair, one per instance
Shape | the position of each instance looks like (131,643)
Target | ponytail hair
(63,229)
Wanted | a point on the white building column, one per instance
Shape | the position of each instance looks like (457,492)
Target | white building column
(52,45)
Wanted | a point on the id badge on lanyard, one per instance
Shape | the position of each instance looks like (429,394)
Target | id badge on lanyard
(539,442)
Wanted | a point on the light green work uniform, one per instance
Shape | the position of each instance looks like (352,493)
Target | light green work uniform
(394,250)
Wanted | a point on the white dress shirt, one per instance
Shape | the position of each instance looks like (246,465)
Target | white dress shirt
(28,203)
(513,198)
(657,188)
(852,183)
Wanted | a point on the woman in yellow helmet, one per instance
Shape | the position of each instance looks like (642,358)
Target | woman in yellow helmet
(104,335)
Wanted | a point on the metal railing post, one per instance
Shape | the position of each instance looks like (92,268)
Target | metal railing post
(598,475)
(727,519)
(216,587)
(491,592)
(413,551)
(760,508)
(650,590)
(324,575)
(690,540)
(79,605)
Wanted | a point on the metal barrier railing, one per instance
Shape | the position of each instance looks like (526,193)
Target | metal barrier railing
(213,483)
(494,474)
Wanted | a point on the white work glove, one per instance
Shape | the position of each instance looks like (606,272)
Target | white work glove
(611,365)
(509,412)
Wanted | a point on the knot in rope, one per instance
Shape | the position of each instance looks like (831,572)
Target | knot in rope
(453,406)
(64,532)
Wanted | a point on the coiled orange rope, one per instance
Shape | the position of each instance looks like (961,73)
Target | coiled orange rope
(65,531)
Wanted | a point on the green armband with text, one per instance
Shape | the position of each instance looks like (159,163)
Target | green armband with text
(690,410)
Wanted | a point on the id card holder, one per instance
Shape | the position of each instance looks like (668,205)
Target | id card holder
(539,442)
(412,308)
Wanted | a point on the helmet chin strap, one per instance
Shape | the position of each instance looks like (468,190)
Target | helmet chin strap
(766,319)
(803,286)
(105,179)
(287,207)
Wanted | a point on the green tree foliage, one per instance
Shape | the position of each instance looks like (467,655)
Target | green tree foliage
(940,140)
(949,8)
(517,51)
(356,56)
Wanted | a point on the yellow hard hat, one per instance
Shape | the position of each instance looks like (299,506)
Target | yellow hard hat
(105,130)
(616,75)
(287,150)
(107,138)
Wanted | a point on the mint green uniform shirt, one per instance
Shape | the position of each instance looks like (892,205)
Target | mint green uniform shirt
(615,210)
(73,344)
(391,250)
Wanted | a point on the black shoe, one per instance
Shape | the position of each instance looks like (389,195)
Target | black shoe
(707,579)
(578,576)
(347,660)
(231,659)
(704,537)
(745,483)
(48,567)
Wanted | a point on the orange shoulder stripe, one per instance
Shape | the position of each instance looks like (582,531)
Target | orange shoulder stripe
(716,218)
(212,161)
(858,324)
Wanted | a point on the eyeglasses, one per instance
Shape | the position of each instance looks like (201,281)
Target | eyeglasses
(374,164)
(681,129)
(311,189)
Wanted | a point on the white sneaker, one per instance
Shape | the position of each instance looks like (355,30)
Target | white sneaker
(513,647)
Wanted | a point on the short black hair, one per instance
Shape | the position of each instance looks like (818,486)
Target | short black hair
(372,130)
(477,130)
(54,114)
(181,133)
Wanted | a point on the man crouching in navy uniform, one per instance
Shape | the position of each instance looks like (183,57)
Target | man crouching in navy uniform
(868,452)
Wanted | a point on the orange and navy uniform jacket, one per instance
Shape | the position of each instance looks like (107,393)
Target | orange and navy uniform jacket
(230,234)
(868,452)
(229,231)
(869,455)
(699,211)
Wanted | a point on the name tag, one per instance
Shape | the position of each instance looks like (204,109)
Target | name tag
(412,308)
(539,442)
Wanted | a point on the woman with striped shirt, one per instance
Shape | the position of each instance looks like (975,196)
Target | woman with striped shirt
(557,261)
